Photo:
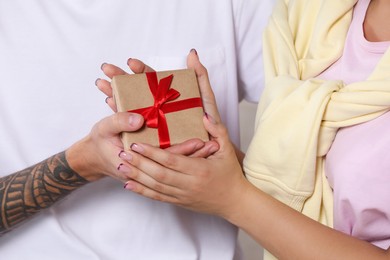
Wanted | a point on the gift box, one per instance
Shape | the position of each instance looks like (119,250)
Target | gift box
(170,103)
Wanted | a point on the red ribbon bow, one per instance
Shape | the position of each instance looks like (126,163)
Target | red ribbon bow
(162,93)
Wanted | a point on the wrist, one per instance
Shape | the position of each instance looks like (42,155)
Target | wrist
(240,155)
(239,193)
(79,162)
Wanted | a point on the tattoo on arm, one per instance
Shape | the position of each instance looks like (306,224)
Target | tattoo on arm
(31,190)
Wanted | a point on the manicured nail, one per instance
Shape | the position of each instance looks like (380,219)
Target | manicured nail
(134,119)
(129,186)
(193,50)
(199,146)
(213,149)
(123,168)
(119,166)
(136,148)
(96,81)
(103,64)
(210,118)
(125,156)
(128,60)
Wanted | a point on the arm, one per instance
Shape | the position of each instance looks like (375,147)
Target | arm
(31,190)
(288,234)
(217,186)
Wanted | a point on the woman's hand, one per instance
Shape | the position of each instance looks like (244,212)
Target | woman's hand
(92,157)
(137,66)
(211,184)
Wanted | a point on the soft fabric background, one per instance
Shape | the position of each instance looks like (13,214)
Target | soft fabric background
(252,251)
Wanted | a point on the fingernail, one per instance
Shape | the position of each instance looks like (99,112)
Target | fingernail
(134,119)
(106,100)
(129,186)
(128,60)
(103,64)
(136,148)
(213,149)
(193,50)
(96,81)
(123,168)
(119,166)
(210,118)
(125,156)
(199,145)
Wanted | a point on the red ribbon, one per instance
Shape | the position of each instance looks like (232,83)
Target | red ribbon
(155,115)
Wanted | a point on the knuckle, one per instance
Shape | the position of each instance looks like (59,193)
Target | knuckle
(135,161)
(157,196)
(133,174)
(170,161)
(114,120)
(181,203)
(161,176)
(159,187)
(97,128)
(139,189)
(223,130)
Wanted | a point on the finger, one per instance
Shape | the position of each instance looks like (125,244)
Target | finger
(176,162)
(219,134)
(126,171)
(104,86)
(121,171)
(111,70)
(187,148)
(111,103)
(145,179)
(149,193)
(138,66)
(160,177)
(208,149)
(207,94)
(120,122)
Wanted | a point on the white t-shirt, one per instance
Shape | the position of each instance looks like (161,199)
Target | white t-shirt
(50,54)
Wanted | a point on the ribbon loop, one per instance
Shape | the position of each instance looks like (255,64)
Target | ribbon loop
(162,93)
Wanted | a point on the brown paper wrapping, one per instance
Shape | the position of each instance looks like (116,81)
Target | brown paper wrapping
(133,92)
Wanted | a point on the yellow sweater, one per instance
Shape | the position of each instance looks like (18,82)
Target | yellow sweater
(298,115)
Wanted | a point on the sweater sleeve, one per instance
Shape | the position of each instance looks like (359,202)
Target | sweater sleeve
(299,115)
(282,157)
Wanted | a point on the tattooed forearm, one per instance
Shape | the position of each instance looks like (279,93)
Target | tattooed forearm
(27,192)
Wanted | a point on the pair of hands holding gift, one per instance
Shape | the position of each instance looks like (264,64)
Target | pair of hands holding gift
(91,157)
(195,175)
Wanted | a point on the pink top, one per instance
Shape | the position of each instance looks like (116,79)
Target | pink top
(358,163)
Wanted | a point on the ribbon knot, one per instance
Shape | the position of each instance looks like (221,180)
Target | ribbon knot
(162,93)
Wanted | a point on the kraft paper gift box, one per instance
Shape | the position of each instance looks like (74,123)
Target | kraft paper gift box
(170,103)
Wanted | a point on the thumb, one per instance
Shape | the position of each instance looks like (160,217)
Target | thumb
(217,131)
(120,122)
(208,98)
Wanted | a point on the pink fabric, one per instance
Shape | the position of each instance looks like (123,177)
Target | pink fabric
(358,163)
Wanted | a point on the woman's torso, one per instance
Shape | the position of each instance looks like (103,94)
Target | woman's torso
(358,163)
